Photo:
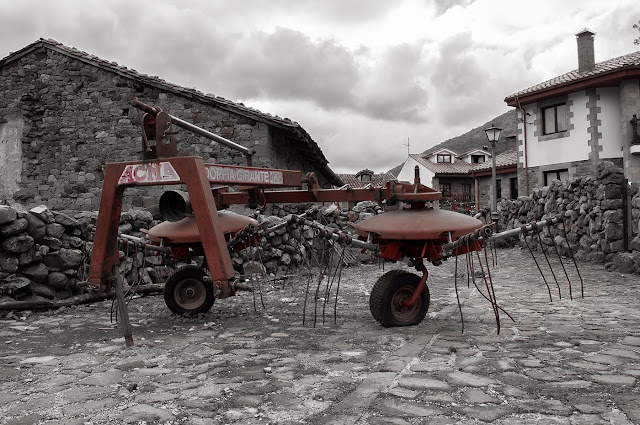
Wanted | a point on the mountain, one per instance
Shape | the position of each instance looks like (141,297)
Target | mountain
(476,138)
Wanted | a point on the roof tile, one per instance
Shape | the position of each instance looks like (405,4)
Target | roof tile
(625,61)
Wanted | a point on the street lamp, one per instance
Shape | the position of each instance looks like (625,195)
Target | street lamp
(493,134)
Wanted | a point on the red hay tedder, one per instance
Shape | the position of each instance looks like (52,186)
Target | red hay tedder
(198,225)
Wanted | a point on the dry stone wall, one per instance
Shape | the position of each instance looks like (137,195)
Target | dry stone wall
(44,254)
(593,211)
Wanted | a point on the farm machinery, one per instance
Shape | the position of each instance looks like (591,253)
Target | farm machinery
(198,224)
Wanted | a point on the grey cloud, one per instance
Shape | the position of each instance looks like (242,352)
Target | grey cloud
(289,65)
(443,5)
(394,90)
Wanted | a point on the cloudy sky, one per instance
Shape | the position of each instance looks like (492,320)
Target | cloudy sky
(361,76)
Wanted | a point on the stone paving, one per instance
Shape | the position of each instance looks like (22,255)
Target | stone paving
(562,362)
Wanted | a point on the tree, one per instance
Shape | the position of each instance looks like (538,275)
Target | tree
(637,26)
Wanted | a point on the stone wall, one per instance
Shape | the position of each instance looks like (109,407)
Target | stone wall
(74,117)
(45,255)
(592,209)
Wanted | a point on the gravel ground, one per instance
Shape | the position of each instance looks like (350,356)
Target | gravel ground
(567,361)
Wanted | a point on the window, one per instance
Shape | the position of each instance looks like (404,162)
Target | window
(444,158)
(555,118)
(499,189)
(466,192)
(477,159)
(513,183)
(365,178)
(445,188)
(549,176)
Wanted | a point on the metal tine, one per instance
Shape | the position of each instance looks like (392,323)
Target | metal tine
(564,230)
(490,293)
(549,223)
(335,304)
(455,284)
(534,228)
(328,275)
(265,275)
(524,235)
(487,298)
(317,294)
(330,279)
(306,292)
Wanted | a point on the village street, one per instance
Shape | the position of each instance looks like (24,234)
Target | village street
(567,361)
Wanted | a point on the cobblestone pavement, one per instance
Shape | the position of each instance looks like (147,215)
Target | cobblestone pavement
(567,361)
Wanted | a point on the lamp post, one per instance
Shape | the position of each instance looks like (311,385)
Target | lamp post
(493,134)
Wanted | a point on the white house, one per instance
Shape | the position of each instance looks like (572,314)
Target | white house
(569,123)
(464,178)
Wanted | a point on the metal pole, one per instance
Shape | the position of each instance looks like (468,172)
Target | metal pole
(485,234)
(494,204)
(193,128)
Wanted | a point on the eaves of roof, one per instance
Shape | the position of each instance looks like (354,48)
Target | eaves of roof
(456,167)
(313,152)
(605,74)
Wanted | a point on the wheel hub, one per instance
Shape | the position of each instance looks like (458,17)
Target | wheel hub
(399,309)
(190,293)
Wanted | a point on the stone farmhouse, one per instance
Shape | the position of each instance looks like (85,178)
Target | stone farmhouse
(570,123)
(366,177)
(64,113)
(464,178)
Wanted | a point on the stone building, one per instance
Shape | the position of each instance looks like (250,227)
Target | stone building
(464,178)
(64,113)
(571,123)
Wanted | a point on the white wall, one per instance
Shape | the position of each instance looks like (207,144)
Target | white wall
(407,173)
(575,147)
(610,117)
(10,156)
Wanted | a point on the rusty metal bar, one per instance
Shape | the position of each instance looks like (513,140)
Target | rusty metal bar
(193,128)
(461,241)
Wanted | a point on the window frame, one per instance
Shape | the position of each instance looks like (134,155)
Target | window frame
(556,121)
(441,156)
(547,173)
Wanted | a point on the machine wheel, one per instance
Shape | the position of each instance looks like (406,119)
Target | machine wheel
(187,292)
(386,298)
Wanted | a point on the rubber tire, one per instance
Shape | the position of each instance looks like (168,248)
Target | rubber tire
(400,284)
(193,276)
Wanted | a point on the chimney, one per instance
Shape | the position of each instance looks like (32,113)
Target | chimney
(586,57)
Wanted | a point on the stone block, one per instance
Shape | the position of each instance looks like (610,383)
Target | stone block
(8,263)
(18,243)
(36,228)
(7,214)
(63,259)
(37,272)
(13,283)
(14,227)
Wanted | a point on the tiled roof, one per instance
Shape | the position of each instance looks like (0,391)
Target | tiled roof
(456,167)
(509,158)
(315,153)
(631,60)
(377,180)
(505,159)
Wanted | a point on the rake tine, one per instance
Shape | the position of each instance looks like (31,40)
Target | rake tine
(489,285)
(523,229)
(265,274)
(455,284)
(549,223)
(534,228)
(306,292)
(317,294)
(574,260)
(335,304)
